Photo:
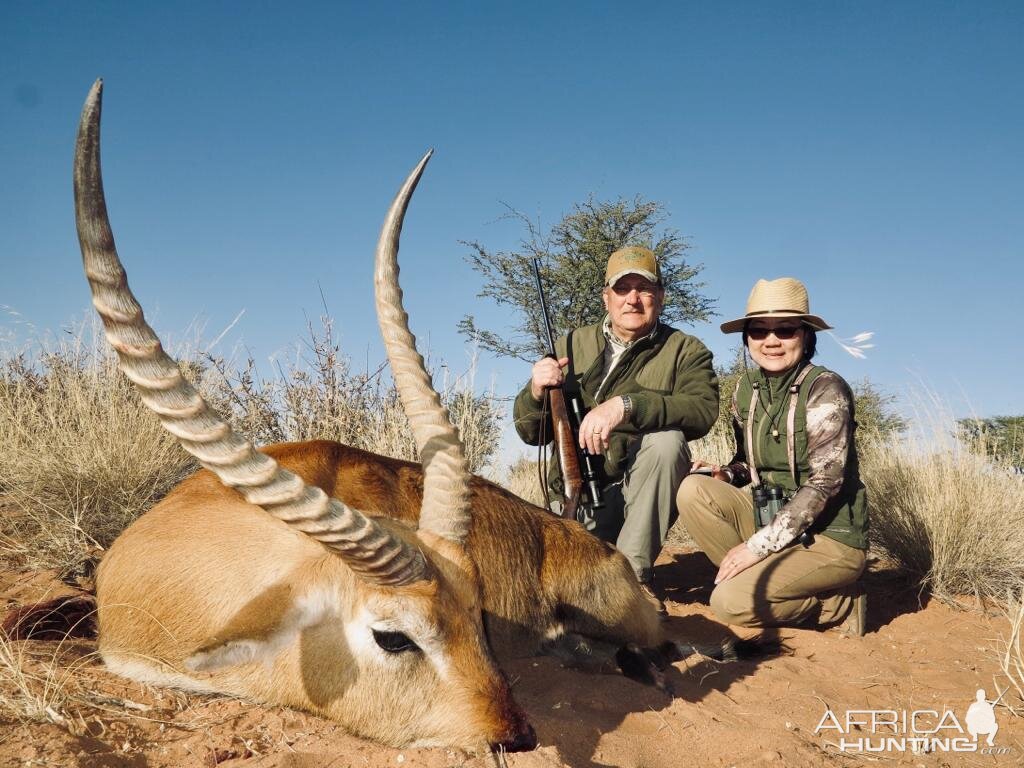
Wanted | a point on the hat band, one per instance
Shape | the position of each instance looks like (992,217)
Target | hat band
(772,311)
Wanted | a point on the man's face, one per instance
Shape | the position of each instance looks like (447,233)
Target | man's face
(633,304)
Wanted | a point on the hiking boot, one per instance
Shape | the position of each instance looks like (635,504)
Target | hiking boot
(856,621)
(647,587)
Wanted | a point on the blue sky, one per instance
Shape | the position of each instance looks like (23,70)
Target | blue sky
(875,150)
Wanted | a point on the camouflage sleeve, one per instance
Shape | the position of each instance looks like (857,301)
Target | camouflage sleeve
(829,431)
(738,463)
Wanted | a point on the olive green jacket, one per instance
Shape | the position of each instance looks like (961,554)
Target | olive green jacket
(668,375)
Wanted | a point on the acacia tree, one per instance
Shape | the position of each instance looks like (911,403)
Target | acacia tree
(573,255)
(1002,436)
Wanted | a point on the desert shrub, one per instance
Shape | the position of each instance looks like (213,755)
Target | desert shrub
(945,509)
(316,395)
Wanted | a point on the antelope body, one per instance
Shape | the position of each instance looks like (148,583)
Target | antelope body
(323,577)
(269,615)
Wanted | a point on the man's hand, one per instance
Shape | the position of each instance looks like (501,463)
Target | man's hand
(547,372)
(736,560)
(716,471)
(599,423)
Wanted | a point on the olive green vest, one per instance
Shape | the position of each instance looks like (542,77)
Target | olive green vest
(845,517)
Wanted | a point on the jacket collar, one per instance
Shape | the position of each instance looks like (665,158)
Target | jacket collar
(611,338)
(778,384)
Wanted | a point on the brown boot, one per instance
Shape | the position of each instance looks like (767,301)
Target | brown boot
(856,622)
(648,588)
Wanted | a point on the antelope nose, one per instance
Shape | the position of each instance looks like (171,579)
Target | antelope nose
(523,741)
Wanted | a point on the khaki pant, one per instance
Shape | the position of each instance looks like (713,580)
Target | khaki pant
(639,511)
(799,585)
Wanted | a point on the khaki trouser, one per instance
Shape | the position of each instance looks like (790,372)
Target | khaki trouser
(640,510)
(800,584)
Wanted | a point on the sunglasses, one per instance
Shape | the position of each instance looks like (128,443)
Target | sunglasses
(782,332)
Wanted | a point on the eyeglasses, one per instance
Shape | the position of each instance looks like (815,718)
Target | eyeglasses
(782,332)
(643,287)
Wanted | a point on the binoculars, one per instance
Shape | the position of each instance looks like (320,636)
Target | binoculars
(768,500)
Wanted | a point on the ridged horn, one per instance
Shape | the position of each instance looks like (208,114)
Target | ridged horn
(367,548)
(445,509)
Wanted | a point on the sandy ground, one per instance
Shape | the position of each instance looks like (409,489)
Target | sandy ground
(752,713)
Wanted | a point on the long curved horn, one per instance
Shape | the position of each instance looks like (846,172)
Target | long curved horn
(445,508)
(367,548)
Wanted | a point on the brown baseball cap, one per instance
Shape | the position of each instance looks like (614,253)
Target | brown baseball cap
(632,260)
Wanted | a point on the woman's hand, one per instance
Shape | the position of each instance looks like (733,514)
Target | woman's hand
(716,471)
(736,560)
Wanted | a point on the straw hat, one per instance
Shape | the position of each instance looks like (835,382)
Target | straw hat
(784,297)
(632,260)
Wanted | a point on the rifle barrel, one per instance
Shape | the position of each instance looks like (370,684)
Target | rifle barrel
(544,307)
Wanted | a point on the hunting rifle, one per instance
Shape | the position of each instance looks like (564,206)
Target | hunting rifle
(578,467)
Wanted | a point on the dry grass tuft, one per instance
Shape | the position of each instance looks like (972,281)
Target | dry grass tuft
(80,456)
(945,510)
(35,684)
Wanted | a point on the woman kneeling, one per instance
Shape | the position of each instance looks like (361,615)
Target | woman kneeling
(790,549)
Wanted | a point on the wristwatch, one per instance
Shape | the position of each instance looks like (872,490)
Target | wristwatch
(627,406)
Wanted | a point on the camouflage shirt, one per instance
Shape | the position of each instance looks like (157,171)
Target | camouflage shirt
(830,428)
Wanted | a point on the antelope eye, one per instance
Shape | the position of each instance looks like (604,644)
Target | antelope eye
(394,642)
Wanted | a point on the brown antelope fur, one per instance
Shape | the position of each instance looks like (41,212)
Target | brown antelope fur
(268,614)
(541,576)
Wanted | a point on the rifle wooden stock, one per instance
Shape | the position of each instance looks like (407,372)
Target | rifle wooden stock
(568,457)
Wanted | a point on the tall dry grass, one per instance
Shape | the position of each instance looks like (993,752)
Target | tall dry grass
(944,508)
(81,457)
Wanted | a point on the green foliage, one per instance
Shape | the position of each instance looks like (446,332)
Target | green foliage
(573,256)
(874,410)
(1003,436)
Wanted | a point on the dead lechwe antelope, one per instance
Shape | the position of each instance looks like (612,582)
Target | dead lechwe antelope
(249,581)
(296,574)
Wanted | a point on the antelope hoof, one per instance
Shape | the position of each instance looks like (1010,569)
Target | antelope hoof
(645,665)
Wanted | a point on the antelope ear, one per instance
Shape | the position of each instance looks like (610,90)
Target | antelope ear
(261,629)
(210,658)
